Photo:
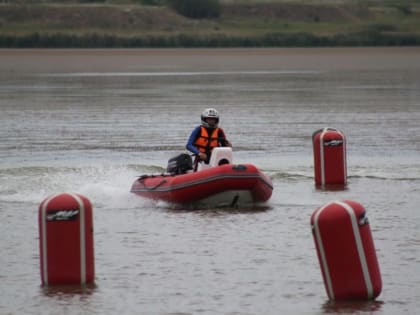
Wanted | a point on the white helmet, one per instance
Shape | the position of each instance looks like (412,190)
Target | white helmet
(209,113)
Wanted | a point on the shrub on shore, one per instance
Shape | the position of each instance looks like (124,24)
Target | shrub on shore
(196,9)
(367,38)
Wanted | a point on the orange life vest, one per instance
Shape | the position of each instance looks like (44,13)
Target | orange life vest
(206,143)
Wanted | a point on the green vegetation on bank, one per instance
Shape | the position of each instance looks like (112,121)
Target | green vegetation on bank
(213,23)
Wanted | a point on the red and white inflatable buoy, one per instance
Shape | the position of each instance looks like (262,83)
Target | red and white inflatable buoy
(329,147)
(346,251)
(66,240)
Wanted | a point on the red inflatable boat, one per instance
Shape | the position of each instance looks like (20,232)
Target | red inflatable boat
(217,184)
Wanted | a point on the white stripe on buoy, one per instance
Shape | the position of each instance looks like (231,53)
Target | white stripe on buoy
(344,155)
(44,238)
(359,245)
(82,239)
(322,251)
(321,155)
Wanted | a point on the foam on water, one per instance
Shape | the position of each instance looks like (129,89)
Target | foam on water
(104,185)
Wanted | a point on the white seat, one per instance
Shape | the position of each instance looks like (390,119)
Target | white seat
(219,156)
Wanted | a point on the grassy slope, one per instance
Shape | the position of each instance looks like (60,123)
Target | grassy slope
(244,19)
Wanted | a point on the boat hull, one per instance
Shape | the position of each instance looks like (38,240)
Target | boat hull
(222,185)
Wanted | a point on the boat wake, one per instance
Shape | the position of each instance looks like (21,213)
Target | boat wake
(103,185)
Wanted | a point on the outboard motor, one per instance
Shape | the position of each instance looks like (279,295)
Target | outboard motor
(179,164)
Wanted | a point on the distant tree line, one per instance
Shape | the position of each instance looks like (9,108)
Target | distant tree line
(368,38)
(378,34)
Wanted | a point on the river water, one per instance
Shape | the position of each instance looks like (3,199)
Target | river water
(90,121)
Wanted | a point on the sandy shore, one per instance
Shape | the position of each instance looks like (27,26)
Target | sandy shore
(237,59)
